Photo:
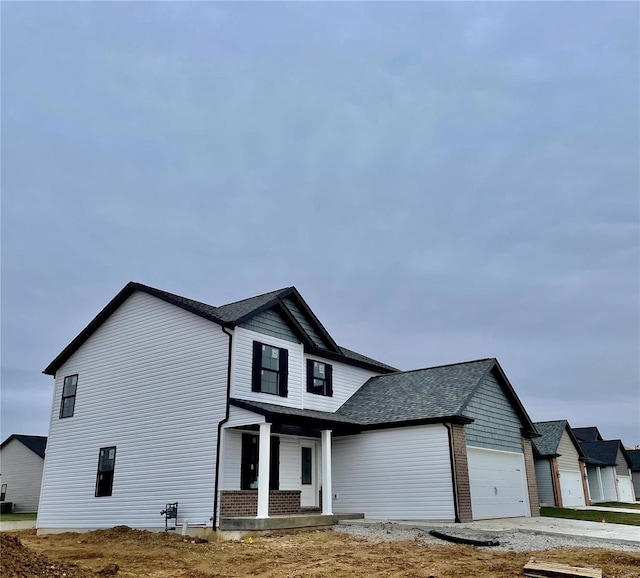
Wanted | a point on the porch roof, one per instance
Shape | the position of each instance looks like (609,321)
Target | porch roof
(301,417)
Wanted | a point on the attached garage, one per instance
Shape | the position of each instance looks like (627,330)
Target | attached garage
(498,484)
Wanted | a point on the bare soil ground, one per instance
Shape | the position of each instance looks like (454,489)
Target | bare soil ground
(127,553)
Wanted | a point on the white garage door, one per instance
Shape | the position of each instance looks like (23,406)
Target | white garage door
(625,489)
(498,484)
(571,489)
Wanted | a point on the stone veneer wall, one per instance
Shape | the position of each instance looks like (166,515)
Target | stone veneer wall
(532,484)
(234,503)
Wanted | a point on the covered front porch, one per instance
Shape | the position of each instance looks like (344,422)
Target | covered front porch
(277,468)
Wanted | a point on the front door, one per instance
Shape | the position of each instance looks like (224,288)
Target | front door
(308,497)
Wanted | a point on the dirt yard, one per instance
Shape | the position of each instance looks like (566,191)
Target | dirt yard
(125,553)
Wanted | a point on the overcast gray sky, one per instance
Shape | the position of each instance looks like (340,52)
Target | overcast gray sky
(441,181)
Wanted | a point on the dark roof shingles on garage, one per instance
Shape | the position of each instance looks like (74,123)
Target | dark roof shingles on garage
(551,433)
(430,393)
(601,453)
(634,456)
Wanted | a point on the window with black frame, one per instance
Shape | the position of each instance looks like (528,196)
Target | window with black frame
(270,369)
(106,467)
(319,378)
(68,402)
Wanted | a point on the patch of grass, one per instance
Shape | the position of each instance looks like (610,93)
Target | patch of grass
(632,506)
(592,515)
(18,517)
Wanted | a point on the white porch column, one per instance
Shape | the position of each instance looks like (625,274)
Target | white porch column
(264,462)
(327,490)
(600,488)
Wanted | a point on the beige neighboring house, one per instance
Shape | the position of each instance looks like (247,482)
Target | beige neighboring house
(21,464)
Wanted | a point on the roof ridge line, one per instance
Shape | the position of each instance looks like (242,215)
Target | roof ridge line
(254,297)
(436,366)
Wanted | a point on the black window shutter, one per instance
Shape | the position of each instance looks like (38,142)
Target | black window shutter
(328,375)
(310,375)
(274,468)
(284,372)
(256,374)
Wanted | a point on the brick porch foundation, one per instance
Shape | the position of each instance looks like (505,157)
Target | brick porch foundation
(236,503)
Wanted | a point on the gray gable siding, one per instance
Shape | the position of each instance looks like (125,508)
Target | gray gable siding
(545,485)
(622,468)
(270,322)
(302,320)
(496,424)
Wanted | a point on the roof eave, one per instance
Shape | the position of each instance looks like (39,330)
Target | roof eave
(450,419)
(108,310)
(300,420)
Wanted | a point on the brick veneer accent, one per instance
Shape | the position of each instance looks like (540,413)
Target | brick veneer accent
(235,503)
(555,481)
(532,484)
(461,473)
(583,474)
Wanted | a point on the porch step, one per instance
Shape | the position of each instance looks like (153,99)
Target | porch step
(284,522)
(311,510)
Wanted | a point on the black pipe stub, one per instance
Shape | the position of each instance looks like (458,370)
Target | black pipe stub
(462,540)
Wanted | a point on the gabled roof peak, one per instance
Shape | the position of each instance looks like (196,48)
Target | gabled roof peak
(231,315)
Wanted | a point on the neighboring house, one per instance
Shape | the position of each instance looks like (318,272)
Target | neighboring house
(608,467)
(560,471)
(21,463)
(634,456)
(251,409)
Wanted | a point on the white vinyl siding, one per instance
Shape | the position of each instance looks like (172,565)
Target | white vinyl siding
(289,460)
(152,383)
(347,379)
(243,363)
(609,484)
(545,483)
(402,473)
(569,459)
(496,425)
(22,472)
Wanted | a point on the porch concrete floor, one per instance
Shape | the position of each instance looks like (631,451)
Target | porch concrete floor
(292,521)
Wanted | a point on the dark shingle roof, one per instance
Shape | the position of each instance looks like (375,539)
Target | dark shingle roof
(359,357)
(308,416)
(634,456)
(36,444)
(601,453)
(228,314)
(231,312)
(430,393)
(550,435)
(587,434)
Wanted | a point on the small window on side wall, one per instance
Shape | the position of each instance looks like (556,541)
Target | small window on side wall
(106,467)
(319,378)
(68,403)
(270,369)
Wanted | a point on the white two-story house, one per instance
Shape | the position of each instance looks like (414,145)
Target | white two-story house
(251,410)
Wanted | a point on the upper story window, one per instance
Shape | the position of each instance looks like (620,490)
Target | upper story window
(319,378)
(270,369)
(106,467)
(68,403)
